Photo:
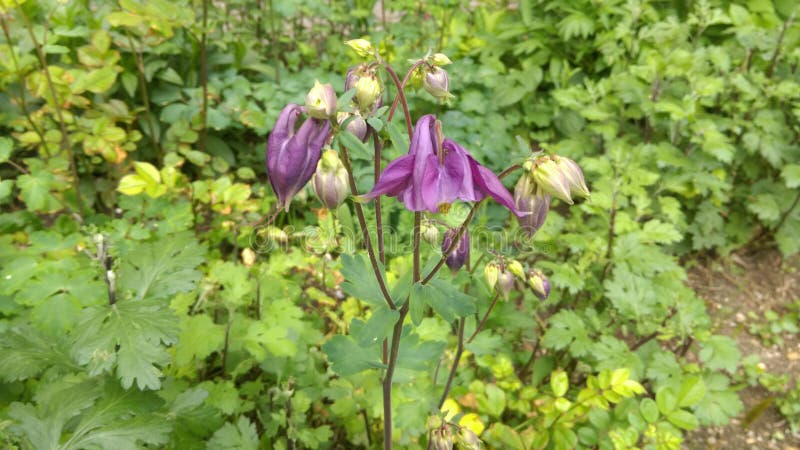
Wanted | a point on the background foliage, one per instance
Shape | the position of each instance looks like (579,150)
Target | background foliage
(133,141)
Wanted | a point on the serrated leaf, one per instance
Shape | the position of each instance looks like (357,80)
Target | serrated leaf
(691,392)
(377,328)
(242,436)
(129,336)
(162,268)
(567,330)
(360,281)
(348,358)
(720,352)
(25,353)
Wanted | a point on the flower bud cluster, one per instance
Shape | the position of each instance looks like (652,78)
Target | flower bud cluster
(542,178)
(502,273)
(364,79)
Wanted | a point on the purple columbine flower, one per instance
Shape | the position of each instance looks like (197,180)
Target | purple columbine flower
(436,172)
(460,254)
(292,156)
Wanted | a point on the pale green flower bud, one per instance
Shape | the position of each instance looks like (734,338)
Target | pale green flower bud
(468,440)
(429,232)
(539,283)
(549,177)
(321,101)
(368,93)
(574,175)
(440,59)
(491,273)
(515,267)
(330,181)
(362,47)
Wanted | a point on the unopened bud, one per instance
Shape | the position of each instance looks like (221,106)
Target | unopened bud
(368,93)
(505,282)
(248,257)
(429,232)
(437,83)
(549,177)
(357,126)
(321,101)
(528,197)
(539,283)
(574,175)
(442,438)
(467,439)
(440,59)
(362,47)
(491,272)
(330,181)
(515,267)
(460,254)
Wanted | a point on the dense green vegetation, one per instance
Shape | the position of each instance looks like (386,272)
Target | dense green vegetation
(145,303)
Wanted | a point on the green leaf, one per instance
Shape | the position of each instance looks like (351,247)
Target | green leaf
(567,330)
(692,392)
(720,352)
(26,353)
(666,400)
(358,149)
(790,174)
(6,148)
(360,281)
(127,335)
(199,337)
(348,358)
(559,383)
(163,268)
(446,300)
(683,419)
(377,328)
(649,410)
(242,436)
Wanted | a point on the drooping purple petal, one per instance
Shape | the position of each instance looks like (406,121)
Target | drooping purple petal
(292,156)
(394,178)
(490,184)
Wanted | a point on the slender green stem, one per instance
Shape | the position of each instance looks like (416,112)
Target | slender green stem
(456,360)
(485,317)
(403,85)
(401,95)
(774,61)
(365,232)
(378,216)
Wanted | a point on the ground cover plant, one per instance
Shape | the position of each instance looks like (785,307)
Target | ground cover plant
(302,224)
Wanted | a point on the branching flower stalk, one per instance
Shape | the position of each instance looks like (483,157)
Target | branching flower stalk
(435,173)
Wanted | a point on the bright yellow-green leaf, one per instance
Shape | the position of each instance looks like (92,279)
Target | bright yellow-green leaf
(148,172)
(131,185)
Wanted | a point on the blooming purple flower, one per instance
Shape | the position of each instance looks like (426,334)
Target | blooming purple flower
(436,172)
(292,156)
(460,254)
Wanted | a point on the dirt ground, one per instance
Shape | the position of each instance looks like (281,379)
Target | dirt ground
(731,288)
